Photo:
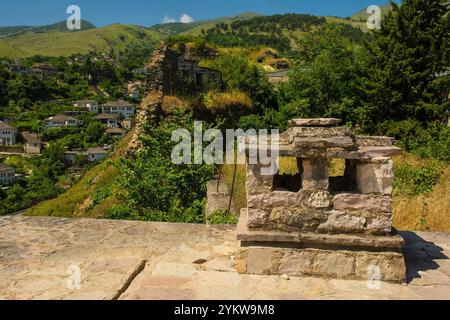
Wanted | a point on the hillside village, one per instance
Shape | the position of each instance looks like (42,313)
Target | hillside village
(356,204)
(247,71)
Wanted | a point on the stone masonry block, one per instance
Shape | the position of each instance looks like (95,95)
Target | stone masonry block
(315,174)
(257,218)
(331,264)
(375,177)
(341,222)
(361,202)
(389,266)
(296,263)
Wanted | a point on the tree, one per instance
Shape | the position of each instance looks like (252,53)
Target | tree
(94,132)
(4,75)
(326,80)
(156,187)
(409,57)
(240,73)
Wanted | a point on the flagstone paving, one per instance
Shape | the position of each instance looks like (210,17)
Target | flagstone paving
(40,257)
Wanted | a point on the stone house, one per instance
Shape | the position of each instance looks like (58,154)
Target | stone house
(96,154)
(7,175)
(311,224)
(174,71)
(70,157)
(89,105)
(32,143)
(202,76)
(279,76)
(8,134)
(62,120)
(43,71)
(119,107)
(111,120)
(115,132)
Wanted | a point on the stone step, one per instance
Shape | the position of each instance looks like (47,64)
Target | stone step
(244,234)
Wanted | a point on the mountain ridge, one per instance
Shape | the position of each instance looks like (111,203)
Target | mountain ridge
(56,40)
(11,31)
(169,29)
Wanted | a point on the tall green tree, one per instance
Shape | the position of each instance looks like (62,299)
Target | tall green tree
(409,64)
(157,188)
(327,78)
(4,75)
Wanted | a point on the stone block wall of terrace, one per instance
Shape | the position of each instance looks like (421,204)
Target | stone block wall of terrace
(313,211)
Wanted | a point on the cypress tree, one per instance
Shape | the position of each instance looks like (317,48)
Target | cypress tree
(409,64)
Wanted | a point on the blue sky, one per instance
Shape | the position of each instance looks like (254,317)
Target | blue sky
(149,12)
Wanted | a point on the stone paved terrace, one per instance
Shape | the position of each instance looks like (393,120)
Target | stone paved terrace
(138,260)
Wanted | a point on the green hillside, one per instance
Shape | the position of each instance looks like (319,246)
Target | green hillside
(59,26)
(59,43)
(362,16)
(194,28)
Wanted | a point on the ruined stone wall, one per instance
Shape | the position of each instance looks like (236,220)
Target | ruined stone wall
(150,110)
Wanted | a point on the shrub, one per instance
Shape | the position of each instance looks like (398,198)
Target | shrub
(222,217)
(430,141)
(413,181)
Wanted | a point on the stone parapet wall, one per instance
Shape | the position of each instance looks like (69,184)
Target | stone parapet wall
(218,198)
(150,110)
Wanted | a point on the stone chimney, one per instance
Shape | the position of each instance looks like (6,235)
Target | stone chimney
(312,224)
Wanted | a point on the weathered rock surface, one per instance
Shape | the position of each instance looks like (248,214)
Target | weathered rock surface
(376,176)
(361,202)
(315,174)
(218,198)
(35,254)
(359,265)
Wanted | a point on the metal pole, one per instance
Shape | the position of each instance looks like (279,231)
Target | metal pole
(232,187)
(218,181)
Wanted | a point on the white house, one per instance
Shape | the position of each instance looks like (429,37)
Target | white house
(89,105)
(7,175)
(119,107)
(109,119)
(62,120)
(96,154)
(7,134)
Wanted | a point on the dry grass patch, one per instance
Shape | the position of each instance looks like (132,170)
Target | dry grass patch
(233,100)
(429,211)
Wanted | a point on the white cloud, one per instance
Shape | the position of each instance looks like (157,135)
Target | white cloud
(168,19)
(185,18)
